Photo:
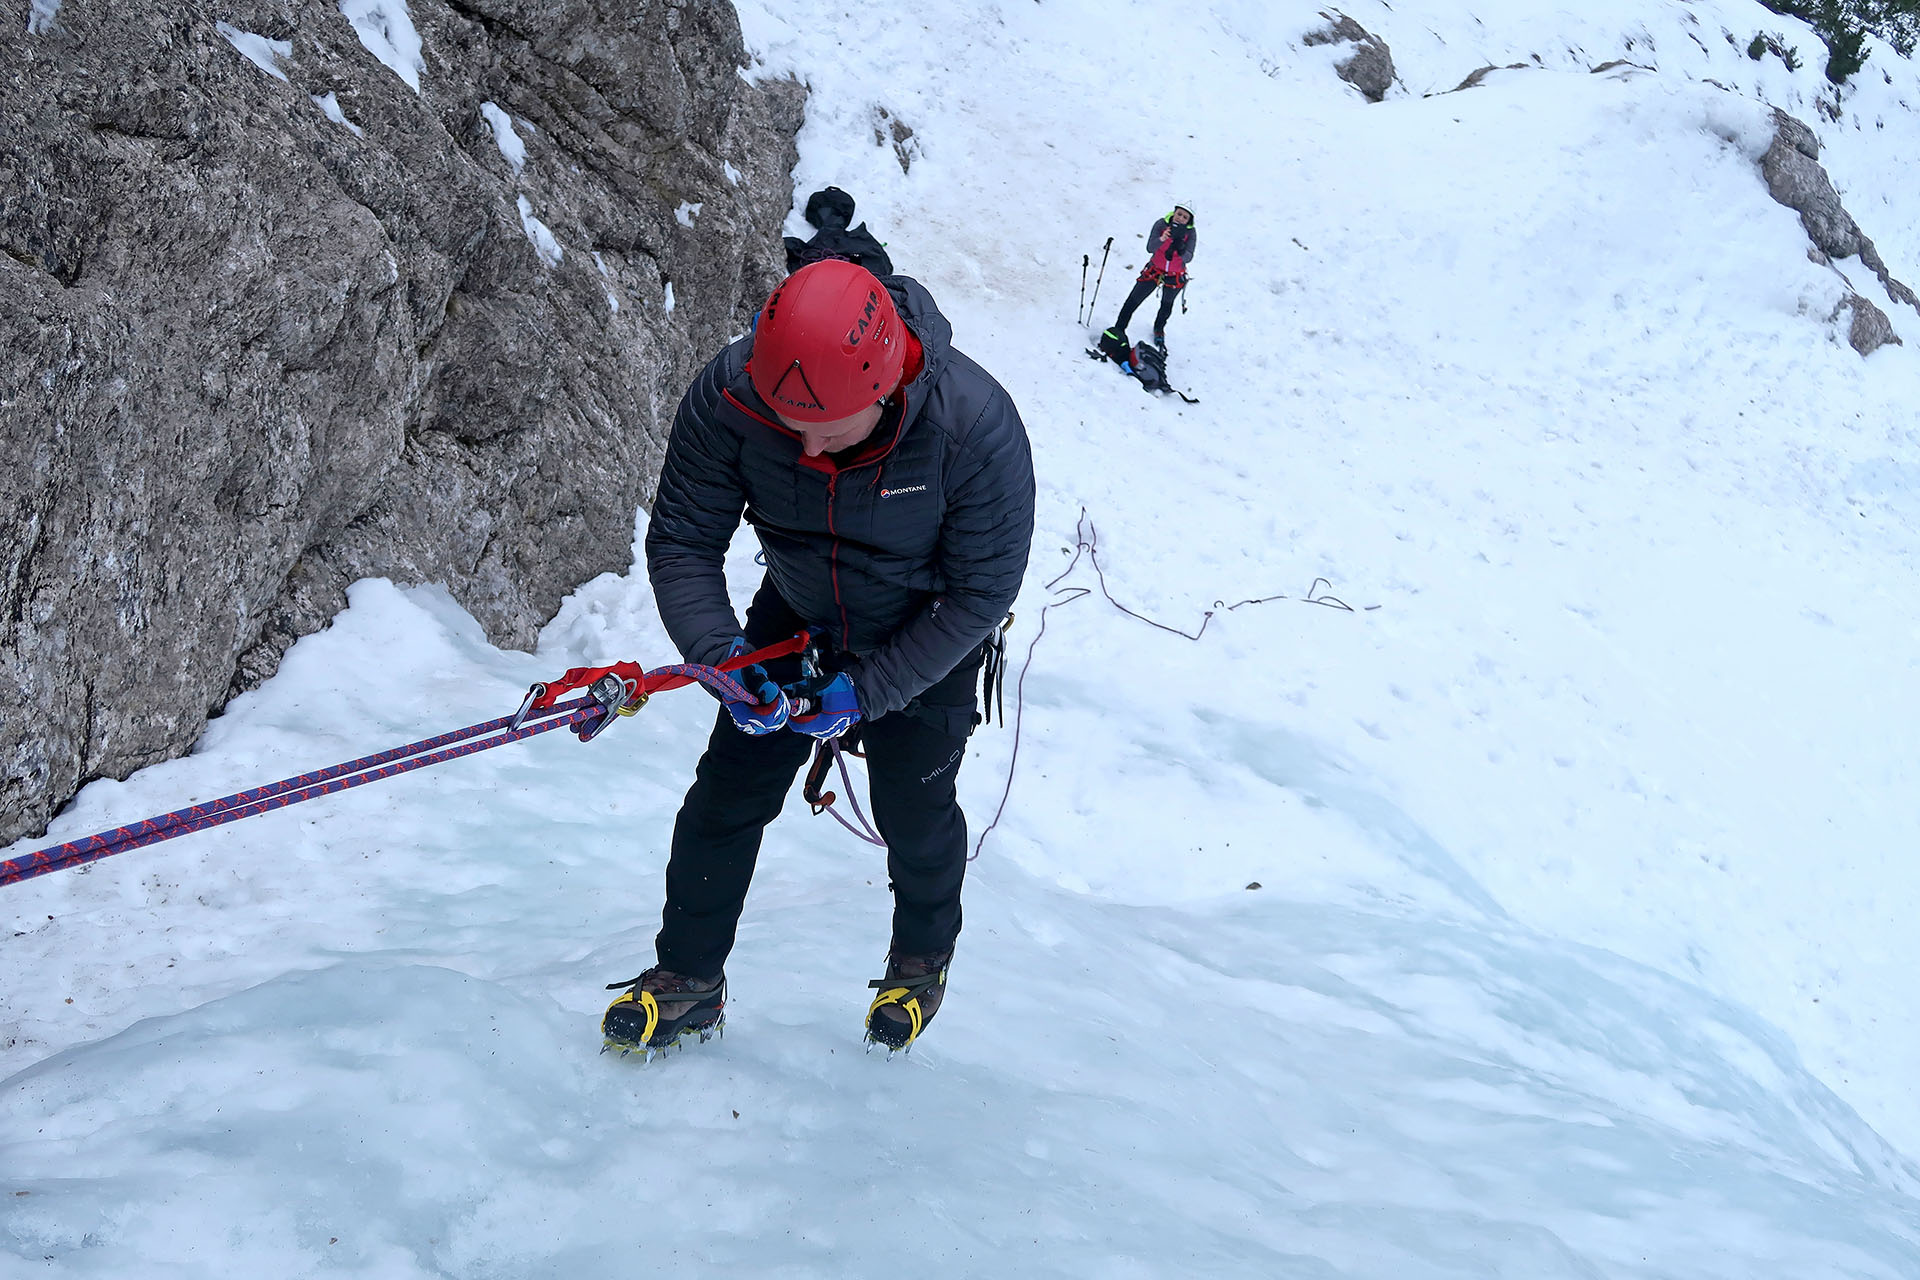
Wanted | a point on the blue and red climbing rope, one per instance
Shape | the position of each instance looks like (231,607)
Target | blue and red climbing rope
(620,689)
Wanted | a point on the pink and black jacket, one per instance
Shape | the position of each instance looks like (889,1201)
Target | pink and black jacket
(1168,262)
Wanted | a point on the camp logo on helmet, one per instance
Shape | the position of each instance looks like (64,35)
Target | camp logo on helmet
(796,377)
(829,344)
(864,321)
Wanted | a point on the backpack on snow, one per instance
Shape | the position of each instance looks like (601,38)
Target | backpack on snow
(1150,366)
(1143,361)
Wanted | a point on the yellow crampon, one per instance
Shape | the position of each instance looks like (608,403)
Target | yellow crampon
(652,1008)
(906,993)
(636,1020)
(908,1002)
(643,1043)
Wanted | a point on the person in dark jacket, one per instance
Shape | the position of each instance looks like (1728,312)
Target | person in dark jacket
(1170,249)
(890,483)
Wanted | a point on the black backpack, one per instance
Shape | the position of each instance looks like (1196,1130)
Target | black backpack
(1144,361)
(1115,347)
(1150,366)
(830,211)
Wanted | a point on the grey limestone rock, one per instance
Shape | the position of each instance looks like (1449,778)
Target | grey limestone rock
(1796,178)
(273,319)
(1868,329)
(1478,75)
(1369,68)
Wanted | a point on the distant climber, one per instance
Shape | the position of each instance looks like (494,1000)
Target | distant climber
(1170,248)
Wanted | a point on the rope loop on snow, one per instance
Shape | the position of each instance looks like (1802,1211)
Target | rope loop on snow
(1087,540)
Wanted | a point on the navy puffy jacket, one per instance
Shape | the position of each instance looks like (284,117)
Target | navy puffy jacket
(905,557)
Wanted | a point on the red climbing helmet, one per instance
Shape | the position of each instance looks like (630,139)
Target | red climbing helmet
(828,343)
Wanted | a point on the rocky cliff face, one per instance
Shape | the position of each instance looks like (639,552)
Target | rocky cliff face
(294,292)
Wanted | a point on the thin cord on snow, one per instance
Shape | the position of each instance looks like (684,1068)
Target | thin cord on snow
(1089,544)
(1331,601)
(1088,540)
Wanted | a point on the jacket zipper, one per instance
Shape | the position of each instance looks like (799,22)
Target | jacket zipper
(833,559)
(833,474)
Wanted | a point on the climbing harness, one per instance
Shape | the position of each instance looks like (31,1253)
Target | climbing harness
(832,753)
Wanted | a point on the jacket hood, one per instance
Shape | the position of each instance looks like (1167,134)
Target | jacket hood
(922,315)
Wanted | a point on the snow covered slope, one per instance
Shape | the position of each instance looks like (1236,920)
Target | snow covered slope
(1583,837)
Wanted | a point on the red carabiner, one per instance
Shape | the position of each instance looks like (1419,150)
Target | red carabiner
(622,688)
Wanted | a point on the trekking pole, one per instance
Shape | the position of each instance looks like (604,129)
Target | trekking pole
(1084,260)
(1095,301)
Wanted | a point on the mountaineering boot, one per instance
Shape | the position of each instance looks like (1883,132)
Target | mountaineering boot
(909,997)
(659,1007)
(1160,339)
